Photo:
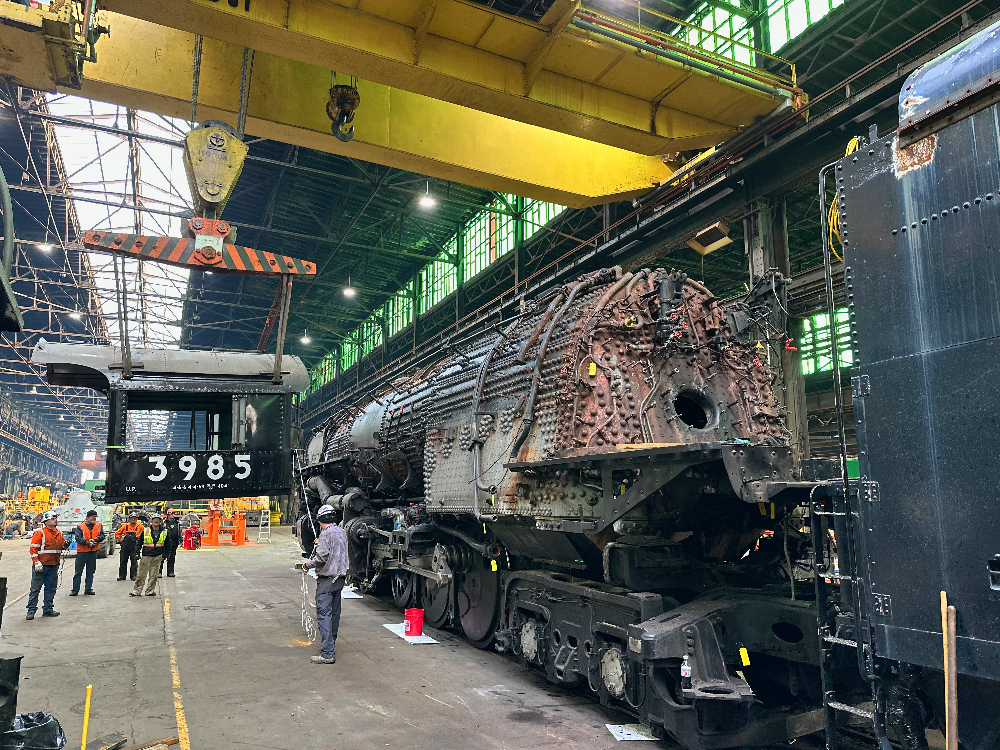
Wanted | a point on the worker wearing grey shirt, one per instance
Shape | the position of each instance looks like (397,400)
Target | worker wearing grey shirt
(329,559)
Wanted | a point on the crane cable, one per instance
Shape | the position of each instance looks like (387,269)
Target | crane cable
(833,217)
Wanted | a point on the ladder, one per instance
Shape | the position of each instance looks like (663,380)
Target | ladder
(835,510)
(264,531)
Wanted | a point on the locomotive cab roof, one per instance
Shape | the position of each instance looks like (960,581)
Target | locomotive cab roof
(99,367)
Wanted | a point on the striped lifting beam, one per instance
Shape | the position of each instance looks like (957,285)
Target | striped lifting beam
(206,250)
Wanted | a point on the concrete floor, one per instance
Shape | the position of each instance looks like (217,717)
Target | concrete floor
(243,666)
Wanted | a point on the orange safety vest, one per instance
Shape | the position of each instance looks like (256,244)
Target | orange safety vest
(47,546)
(89,533)
(129,528)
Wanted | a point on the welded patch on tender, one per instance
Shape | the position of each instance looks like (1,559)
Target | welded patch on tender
(881,163)
(915,155)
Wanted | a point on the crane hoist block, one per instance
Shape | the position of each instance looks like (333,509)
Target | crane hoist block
(213,160)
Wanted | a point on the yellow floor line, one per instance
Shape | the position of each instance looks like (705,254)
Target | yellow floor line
(11,604)
(182,727)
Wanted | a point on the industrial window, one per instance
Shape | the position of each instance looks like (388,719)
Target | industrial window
(814,346)
(476,252)
(789,18)
(710,19)
(349,352)
(537,214)
(322,372)
(438,279)
(398,310)
(786,20)
(370,334)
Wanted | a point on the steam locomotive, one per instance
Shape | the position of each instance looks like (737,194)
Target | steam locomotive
(606,489)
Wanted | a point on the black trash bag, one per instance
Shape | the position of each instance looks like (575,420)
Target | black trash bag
(35,731)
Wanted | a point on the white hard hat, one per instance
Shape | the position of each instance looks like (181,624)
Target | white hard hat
(326,510)
(48,514)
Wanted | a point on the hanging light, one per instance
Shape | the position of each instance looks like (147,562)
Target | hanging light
(34,389)
(305,338)
(427,200)
(62,418)
(71,427)
(349,291)
(75,315)
(45,247)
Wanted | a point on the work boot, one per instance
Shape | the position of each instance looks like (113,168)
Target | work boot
(150,593)
(30,616)
(323,659)
(90,593)
(121,579)
(134,593)
(74,593)
(50,613)
(171,575)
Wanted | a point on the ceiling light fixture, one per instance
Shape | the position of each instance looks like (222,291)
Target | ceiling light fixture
(75,315)
(45,247)
(349,291)
(62,418)
(34,389)
(427,200)
(305,338)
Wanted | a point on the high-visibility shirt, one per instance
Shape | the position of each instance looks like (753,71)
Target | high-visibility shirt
(129,528)
(47,546)
(85,533)
(150,546)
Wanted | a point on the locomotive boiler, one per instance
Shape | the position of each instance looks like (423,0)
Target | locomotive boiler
(604,487)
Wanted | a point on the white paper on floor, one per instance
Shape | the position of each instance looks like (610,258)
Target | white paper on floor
(630,732)
(398,628)
(348,593)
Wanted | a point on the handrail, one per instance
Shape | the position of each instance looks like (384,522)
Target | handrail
(692,49)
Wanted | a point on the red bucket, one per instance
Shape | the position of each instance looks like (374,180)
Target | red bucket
(414,622)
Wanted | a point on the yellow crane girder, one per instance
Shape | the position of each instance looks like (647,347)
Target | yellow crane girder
(149,67)
(560,74)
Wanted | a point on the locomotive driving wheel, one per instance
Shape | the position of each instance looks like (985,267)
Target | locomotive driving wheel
(437,602)
(478,601)
(403,588)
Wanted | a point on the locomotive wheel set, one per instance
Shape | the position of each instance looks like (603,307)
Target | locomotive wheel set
(604,488)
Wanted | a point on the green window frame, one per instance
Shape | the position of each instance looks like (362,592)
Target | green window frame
(712,19)
(349,354)
(814,345)
(398,310)
(438,279)
(786,20)
(789,18)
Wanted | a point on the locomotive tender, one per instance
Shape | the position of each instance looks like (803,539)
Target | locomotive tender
(604,488)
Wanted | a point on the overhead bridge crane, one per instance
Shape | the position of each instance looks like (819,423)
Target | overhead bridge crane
(579,107)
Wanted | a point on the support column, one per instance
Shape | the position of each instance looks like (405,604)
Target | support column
(415,298)
(758,240)
(794,390)
(519,269)
(459,281)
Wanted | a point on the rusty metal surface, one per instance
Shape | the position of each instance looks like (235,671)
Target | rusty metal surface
(590,370)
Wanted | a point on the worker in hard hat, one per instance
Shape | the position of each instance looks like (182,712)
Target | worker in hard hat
(329,560)
(129,536)
(154,541)
(47,544)
(89,537)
